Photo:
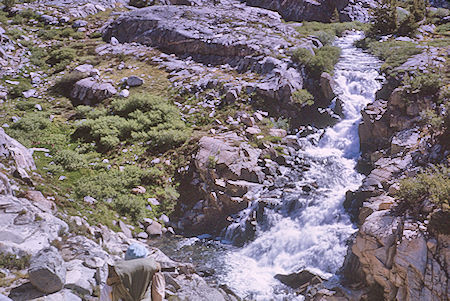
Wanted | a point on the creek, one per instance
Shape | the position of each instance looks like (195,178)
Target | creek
(305,229)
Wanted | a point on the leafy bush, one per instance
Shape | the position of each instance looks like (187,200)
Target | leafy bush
(69,160)
(32,122)
(331,29)
(11,261)
(90,112)
(424,84)
(38,56)
(325,38)
(437,16)
(131,206)
(430,118)
(9,4)
(323,61)
(443,29)
(16,91)
(384,18)
(147,118)
(64,85)
(433,184)
(302,98)
(62,57)
(113,183)
(139,3)
(393,53)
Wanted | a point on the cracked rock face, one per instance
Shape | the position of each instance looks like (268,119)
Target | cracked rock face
(317,10)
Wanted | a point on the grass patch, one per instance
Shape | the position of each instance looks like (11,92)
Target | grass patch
(326,32)
(393,53)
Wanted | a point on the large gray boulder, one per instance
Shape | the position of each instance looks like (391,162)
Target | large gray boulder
(11,149)
(88,91)
(47,271)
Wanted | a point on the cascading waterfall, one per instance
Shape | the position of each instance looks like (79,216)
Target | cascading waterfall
(309,230)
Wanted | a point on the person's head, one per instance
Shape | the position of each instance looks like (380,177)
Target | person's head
(136,251)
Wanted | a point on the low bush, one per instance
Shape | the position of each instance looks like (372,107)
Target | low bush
(11,261)
(130,206)
(323,61)
(69,159)
(140,3)
(424,84)
(433,184)
(393,53)
(326,32)
(145,118)
(302,98)
(64,85)
(61,57)
(32,122)
(15,91)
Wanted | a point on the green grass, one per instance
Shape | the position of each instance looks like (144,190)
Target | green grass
(326,32)
(393,53)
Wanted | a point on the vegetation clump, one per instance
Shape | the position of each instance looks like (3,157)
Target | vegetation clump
(323,59)
(11,261)
(141,118)
(302,98)
(433,185)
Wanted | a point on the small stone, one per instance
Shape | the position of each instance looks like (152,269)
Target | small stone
(164,218)
(278,133)
(62,178)
(90,200)
(114,41)
(142,235)
(139,190)
(154,229)
(153,201)
(38,107)
(134,81)
(29,93)
(253,130)
(124,93)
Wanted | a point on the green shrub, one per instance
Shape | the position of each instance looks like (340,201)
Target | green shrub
(147,118)
(435,121)
(69,160)
(14,33)
(323,61)
(113,183)
(433,184)
(424,84)
(331,29)
(12,262)
(25,105)
(384,18)
(325,38)
(212,161)
(32,122)
(443,29)
(16,91)
(130,206)
(393,53)
(38,56)
(62,57)
(302,55)
(437,16)
(90,112)
(9,4)
(302,98)
(168,196)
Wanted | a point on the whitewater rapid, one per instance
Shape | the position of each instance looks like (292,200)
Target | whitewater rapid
(314,235)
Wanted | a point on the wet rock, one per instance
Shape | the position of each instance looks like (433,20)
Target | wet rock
(88,92)
(327,85)
(297,280)
(47,271)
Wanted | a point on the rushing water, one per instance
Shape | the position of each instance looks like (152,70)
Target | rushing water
(313,233)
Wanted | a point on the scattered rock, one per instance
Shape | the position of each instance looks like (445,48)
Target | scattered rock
(47,271)
(89,92)
(154,229)
(134,81)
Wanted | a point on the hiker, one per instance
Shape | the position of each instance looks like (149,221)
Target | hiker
(137,278)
